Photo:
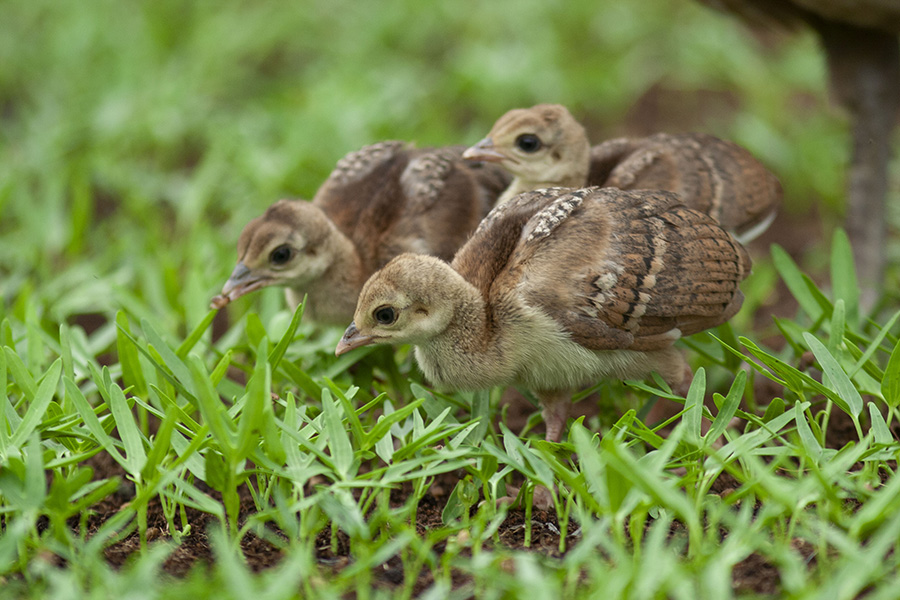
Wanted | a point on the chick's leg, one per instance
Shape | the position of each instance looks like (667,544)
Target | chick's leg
(555,412)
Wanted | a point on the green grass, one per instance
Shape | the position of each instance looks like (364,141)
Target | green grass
(137,139)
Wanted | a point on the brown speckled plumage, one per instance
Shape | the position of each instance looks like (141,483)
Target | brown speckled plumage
(389,198)
(711,175)
(356,165)
(380,201)
(559,288)
(631,270)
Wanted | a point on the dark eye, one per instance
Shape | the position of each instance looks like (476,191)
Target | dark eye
(281,255)
(528,142)
(385,315)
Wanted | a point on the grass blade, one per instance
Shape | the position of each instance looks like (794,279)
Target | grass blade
(170,359)
(157,360)
(843,275)
(255,402)
(160,447)
(728,409)
(879,428)
(214,413)
(890,385)
(302,379)
(842,384)
(90,420)
(20,374)
(132,374)
(693,408)
(42,398)
(809,441)
(135,455)
(35,490)
(793,278)
(594,470)
(338,440)
(191,340)
(837,326)
(481,404)
(353,421)
(875,344)
(278,351)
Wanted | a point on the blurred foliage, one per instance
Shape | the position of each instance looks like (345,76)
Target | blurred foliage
(152,131)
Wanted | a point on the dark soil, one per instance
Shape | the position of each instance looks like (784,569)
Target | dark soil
(754,574)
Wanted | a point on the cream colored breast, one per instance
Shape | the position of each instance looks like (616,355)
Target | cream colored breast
(552,361)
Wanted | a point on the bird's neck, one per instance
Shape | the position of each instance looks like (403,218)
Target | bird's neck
(575,177)
(470,352)
(331,299)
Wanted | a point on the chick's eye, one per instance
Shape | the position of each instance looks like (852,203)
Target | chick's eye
(385,315)
(281,255)
(528,142)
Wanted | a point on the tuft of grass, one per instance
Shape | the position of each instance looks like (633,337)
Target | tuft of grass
(290,456)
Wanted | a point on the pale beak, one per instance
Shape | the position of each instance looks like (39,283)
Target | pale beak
(352,339)
(483,150)
(242,281)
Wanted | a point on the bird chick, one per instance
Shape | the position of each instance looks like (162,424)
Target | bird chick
(541,147)
(378,202)
(295,245)
(556,289)
(545,146)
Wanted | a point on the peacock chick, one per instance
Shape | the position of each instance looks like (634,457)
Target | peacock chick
(559,288)
(545,146)
(541,147)
(378,202)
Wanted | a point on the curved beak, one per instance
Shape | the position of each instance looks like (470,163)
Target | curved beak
(483,150)
(242,281)
(352,339)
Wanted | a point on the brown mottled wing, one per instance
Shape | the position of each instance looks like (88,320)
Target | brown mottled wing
(627,270)
(432,172)
(607,156)
(426,176)
(353,187)
(358,165)
(709,174)
(364,199)
(445,200)
(487,253)
(389,198)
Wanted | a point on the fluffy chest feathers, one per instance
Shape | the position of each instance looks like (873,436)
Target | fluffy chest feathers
(530,350)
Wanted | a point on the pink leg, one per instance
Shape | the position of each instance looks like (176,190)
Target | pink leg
(541,500)
(555,413)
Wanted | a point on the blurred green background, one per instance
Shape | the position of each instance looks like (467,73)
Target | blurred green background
(137,138)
